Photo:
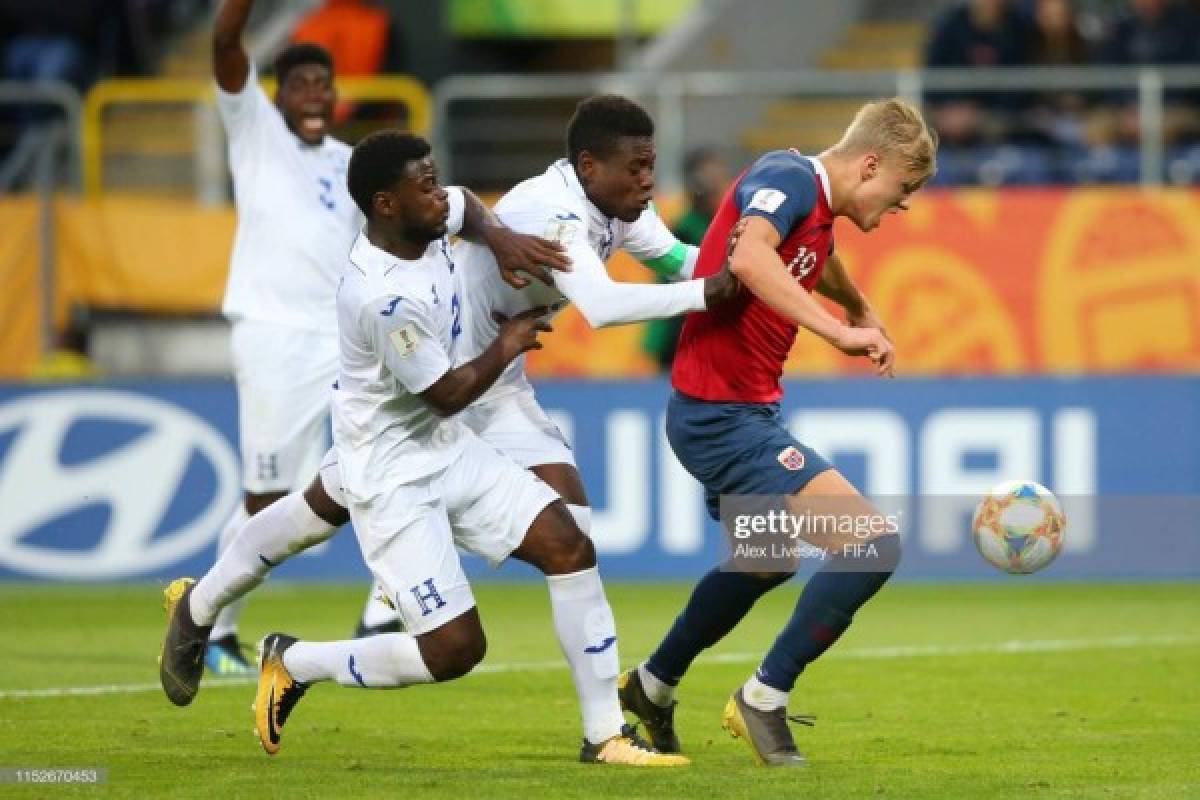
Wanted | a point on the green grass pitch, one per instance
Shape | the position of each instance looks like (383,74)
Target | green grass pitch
(1020,688)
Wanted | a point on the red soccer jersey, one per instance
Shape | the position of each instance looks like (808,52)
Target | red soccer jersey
(735,354)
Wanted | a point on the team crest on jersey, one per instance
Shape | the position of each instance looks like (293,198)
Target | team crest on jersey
(405,340)
(791,459)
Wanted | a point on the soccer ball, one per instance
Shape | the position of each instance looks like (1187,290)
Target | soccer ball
(1019,527)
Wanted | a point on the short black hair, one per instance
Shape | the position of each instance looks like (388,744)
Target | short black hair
(378,161)
(298,54)
(601,121)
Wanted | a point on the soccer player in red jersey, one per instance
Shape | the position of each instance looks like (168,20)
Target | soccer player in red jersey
(775,225)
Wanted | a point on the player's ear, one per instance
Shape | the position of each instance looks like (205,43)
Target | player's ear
(586,165)
(383,203)
(870,166)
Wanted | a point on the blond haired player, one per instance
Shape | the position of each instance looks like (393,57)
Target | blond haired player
(775,224)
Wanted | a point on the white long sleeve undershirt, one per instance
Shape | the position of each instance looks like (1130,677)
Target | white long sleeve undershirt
(604,302)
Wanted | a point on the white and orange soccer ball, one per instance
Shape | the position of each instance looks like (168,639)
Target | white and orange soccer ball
(1019,527)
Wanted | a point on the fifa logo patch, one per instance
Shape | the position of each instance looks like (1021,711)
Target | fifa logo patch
(561,229)
(791,459)
(405,340)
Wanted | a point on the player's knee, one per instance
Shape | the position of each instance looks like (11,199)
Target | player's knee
(455,655)
(556,546)
(572,552)
(583,553)
(324,506)
(257,501)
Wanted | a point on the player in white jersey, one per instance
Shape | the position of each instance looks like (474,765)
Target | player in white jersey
(296,223)
(594,202)
(419,481)
(611,146)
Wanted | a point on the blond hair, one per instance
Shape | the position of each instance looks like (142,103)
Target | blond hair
(892,127)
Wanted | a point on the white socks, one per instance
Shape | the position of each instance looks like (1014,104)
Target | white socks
(587,633)
(764,698)
(265,540)
(387,661)
(661,694)
(226,622)
(376,612)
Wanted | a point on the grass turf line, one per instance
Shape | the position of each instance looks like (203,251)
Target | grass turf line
(1100,721)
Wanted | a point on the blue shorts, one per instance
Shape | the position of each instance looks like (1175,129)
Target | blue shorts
(738,449)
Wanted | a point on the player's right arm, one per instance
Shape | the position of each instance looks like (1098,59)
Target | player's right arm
(402,331)
(604,302)
(461,386)
(756,263)
(231,65)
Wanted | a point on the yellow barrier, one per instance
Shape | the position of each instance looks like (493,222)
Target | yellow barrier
(968,282)
(394,88)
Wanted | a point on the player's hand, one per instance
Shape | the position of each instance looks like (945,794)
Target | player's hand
(720,288)
(522,253)
(519,334)
(866,318)
(869,342)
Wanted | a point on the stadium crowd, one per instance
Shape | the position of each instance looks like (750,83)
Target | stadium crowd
(1061,136)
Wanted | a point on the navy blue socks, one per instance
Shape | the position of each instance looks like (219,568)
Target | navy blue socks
(717,604)
(825,609)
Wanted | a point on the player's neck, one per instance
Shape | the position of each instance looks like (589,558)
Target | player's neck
(842,178)
(395,243)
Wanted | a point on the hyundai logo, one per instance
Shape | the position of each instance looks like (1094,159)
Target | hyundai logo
(101,484)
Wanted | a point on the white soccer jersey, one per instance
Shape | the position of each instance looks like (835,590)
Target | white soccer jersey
(555,206)
(296,220)
(397,325)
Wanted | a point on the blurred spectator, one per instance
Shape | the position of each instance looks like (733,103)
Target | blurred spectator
(1057,117)
(1057,40)
(360,37)
(978,33)
(79,41)
(357,34)
(1151,32)
(49,41)
(706,176)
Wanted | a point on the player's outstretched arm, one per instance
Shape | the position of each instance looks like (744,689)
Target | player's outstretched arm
(755,262)
(461,386)
(604,302)
(231,65)
(514,252)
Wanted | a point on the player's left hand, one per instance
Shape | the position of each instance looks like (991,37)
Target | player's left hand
(522,253)
(885,364)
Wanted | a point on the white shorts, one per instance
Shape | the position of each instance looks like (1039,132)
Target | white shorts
(284,382)
(517,426)
(482,502)
(514,424)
